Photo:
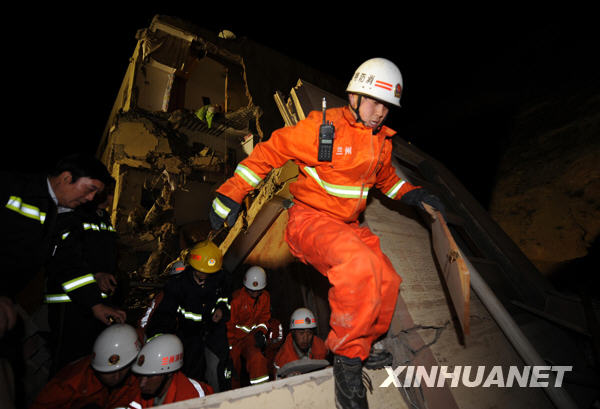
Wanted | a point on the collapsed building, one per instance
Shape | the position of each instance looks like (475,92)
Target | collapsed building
(194,103)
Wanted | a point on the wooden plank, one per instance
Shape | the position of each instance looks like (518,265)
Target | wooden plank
(279,101)
(307,97)
(454,268)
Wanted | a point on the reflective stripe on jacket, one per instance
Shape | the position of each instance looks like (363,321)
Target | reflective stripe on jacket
(340,188)
(28,220)
(248,314)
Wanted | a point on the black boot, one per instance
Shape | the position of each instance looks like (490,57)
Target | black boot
(379,357)
(350,392)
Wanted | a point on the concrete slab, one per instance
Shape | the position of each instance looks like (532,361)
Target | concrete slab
(407,243)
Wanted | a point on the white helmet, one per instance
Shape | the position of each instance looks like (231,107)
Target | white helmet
(162,354)
(176,267)
(303,318)
(115,348)
(255,278)
(377,78)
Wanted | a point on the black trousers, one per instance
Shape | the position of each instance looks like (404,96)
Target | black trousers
(73,331)
(194,357)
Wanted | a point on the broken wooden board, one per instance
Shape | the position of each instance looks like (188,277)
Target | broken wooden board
(307,98)
(454,269)
(246,240)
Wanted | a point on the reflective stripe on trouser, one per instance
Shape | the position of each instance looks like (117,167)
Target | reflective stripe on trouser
(364,283)
(256,363)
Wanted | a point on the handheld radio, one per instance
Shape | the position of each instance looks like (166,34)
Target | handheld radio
(326,136)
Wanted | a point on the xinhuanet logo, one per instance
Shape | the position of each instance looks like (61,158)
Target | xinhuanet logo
(480,376)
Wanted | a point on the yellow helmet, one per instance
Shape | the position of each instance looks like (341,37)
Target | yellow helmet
(205,257)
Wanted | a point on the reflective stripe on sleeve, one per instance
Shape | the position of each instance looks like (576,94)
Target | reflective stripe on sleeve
(88,226)
(220,209)
(226,301)
(248,175)
(190,315)
(58,298)
(348,192)
(197,386)
(258,380)
(250,329)
(78,282)
(394,190)
(16,203)
(261,326)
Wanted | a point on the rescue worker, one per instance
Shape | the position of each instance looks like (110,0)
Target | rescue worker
(195,306)
(323,228)
(247,328)
(77,307)
(100,380)
(161,381)
(30,205)
(301,342)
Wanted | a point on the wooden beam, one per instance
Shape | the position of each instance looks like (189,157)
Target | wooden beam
(454,269)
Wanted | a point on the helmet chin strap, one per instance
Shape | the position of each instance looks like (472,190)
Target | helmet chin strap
(355,110)
(359,119)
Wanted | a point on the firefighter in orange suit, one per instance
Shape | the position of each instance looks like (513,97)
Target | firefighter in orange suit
(329,196)
(100,380)
(161,380)
(301,342)
(247,327)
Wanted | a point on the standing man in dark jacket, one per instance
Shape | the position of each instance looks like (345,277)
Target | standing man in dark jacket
(79,279)
(195,306)
(30,205)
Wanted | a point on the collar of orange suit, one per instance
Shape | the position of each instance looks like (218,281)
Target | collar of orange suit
(385,131)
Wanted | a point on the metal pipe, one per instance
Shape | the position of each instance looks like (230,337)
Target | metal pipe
(558,396)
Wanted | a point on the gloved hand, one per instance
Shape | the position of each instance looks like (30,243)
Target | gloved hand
(419,196)
(260,340)
(221,205)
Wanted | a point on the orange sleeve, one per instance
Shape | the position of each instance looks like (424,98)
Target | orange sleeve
(233,333)
(298,143)
(264,314)
(388,181)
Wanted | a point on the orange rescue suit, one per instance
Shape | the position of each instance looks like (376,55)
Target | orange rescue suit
(288,353)
(76,386)
(248,315)
(323,230)
(181,388)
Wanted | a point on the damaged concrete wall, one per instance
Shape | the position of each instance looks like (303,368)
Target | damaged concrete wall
(191,106)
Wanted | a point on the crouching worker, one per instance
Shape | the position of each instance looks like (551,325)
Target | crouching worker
(161,381)
(247,328)
(101,380)
(301,342)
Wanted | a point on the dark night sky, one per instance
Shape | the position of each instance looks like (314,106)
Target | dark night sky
(65,66)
